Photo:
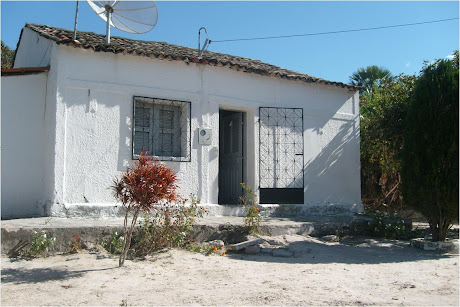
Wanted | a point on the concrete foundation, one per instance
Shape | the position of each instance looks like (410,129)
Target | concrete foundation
(94,211)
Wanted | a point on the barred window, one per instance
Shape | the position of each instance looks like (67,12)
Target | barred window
(162,127)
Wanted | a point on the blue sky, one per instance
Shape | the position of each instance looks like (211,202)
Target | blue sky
(333,57)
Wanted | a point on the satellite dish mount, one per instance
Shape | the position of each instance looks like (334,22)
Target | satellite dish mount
(128,16)
(108,14)
(75,24)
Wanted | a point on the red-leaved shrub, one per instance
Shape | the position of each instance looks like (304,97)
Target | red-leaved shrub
(141,187)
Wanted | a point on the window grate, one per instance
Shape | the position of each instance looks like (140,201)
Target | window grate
(162,127)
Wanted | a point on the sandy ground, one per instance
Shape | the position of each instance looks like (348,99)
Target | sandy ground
(357,272)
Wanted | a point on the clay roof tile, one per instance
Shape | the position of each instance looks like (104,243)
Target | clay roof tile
(162,50)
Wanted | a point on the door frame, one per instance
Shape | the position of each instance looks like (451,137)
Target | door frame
(243,144)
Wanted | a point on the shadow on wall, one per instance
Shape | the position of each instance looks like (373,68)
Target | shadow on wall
(125,153)
(333,176)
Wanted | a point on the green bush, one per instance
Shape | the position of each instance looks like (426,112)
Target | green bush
(40,243)
(388,226)
(430,153)
(383,112)
(253,216)
(114,243)
(7,56)
(167,226)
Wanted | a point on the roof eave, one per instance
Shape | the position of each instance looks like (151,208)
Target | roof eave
(228,61)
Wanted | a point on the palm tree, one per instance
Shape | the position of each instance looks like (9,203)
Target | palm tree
(371,76)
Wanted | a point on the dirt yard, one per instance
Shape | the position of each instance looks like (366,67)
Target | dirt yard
(356,272)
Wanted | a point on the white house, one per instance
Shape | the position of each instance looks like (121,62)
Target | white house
(76,113)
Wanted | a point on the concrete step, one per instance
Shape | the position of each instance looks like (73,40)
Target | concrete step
(228,228)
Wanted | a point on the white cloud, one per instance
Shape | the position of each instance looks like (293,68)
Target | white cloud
(408,64)
(450,56)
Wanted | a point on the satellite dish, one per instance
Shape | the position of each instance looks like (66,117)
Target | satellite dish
(128,16)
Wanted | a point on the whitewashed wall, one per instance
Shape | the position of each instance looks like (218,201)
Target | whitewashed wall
(33,50)
(94,115)
(24,145)
(90,98)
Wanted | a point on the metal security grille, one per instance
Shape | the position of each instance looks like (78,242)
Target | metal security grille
(281,153)
(162,127)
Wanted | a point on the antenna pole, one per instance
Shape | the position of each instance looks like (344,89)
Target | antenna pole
(75,25)
(108,14)
(107,36)
(200,52)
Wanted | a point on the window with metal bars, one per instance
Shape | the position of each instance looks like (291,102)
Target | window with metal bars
(162,127)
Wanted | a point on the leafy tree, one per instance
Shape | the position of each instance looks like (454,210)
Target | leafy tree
(146,184)
(455,59)
(383,111)
(430,154)
(7,56)
(370,76)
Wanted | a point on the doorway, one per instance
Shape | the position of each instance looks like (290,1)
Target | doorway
(231,156)
(281,162)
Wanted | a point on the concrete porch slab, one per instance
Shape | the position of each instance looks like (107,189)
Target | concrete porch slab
(207,228)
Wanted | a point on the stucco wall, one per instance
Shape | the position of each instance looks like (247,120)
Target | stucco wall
(33,50)
(94,117)
(24,146)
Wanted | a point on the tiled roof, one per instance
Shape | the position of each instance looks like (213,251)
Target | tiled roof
(161,50)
